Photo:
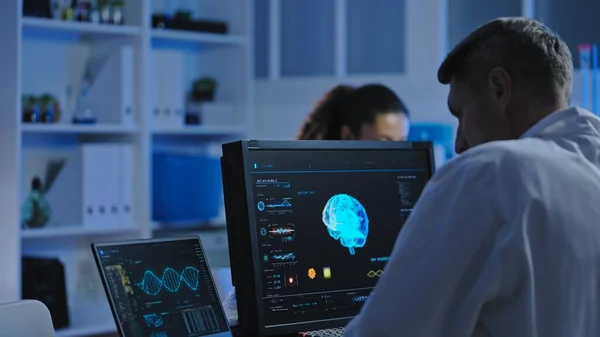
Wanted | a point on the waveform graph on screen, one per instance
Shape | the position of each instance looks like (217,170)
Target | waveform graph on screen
(284,233)
(360,299)
(278,205)
(375,273)
(346,220)
(170,280)
(280,258)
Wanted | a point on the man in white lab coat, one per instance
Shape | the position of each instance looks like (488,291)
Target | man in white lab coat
(505,239)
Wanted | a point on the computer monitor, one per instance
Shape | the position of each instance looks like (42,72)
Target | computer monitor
(311,225)
(160,288)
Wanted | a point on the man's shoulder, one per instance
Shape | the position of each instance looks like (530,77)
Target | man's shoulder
(504,153)
(500,157)
(485,157)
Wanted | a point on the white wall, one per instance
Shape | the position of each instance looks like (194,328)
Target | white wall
(282,104)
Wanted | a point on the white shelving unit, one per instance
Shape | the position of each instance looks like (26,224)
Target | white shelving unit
(41,56)
(169,35)
(78,129)
(32,24)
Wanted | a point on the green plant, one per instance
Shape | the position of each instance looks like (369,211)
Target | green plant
(28,102)
(205,84)
(183,14)
(46,100)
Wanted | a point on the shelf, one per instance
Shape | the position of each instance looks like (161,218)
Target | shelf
(201,130)
(73,232)
(165,35)
(79,129)
(51,56)
(43,26)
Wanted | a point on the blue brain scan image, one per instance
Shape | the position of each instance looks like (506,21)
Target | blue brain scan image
(347,221)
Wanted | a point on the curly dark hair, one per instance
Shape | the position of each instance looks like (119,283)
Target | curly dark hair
(353,107)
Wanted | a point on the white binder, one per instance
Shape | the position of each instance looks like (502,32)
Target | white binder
(100,185)
(111,96)
(111,191)
(91,169)
(126,184)
(170,92)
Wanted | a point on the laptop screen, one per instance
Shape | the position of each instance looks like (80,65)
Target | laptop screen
(161,288)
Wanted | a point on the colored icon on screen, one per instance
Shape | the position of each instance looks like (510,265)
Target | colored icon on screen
(291,281)
(326,272)
(312,273)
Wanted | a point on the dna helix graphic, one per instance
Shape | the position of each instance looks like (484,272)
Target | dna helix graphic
(171,280)
(375,273)
(288,256)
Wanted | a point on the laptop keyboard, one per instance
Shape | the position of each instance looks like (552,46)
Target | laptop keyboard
(335,332)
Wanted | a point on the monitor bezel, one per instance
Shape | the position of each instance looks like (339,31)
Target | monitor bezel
(99,245)
(312,145)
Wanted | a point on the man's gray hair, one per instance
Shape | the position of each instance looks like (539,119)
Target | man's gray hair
(528,50)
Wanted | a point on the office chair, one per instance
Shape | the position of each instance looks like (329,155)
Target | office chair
(27,318)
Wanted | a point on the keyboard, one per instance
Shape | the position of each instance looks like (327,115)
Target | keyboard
(335,332)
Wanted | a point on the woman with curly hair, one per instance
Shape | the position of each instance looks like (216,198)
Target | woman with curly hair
(369,112)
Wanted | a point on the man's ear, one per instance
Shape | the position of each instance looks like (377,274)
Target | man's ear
(500,83)
(346,133)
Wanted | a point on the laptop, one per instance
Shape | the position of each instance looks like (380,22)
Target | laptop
(161,288)
(311,225)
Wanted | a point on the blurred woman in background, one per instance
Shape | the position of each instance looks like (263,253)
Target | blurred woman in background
(369,112)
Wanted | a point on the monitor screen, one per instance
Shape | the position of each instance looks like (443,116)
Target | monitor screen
(161,288)
(326,222)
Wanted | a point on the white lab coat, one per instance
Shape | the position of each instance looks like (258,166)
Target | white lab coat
(504,242)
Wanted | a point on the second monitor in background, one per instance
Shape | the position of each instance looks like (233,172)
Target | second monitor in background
(312,224)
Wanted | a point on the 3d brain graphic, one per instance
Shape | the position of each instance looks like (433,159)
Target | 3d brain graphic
(346,220)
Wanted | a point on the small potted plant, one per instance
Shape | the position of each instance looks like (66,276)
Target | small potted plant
(183,15)
(103,7)
(117,9)
(30,109)
(49,109)
(204,89)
